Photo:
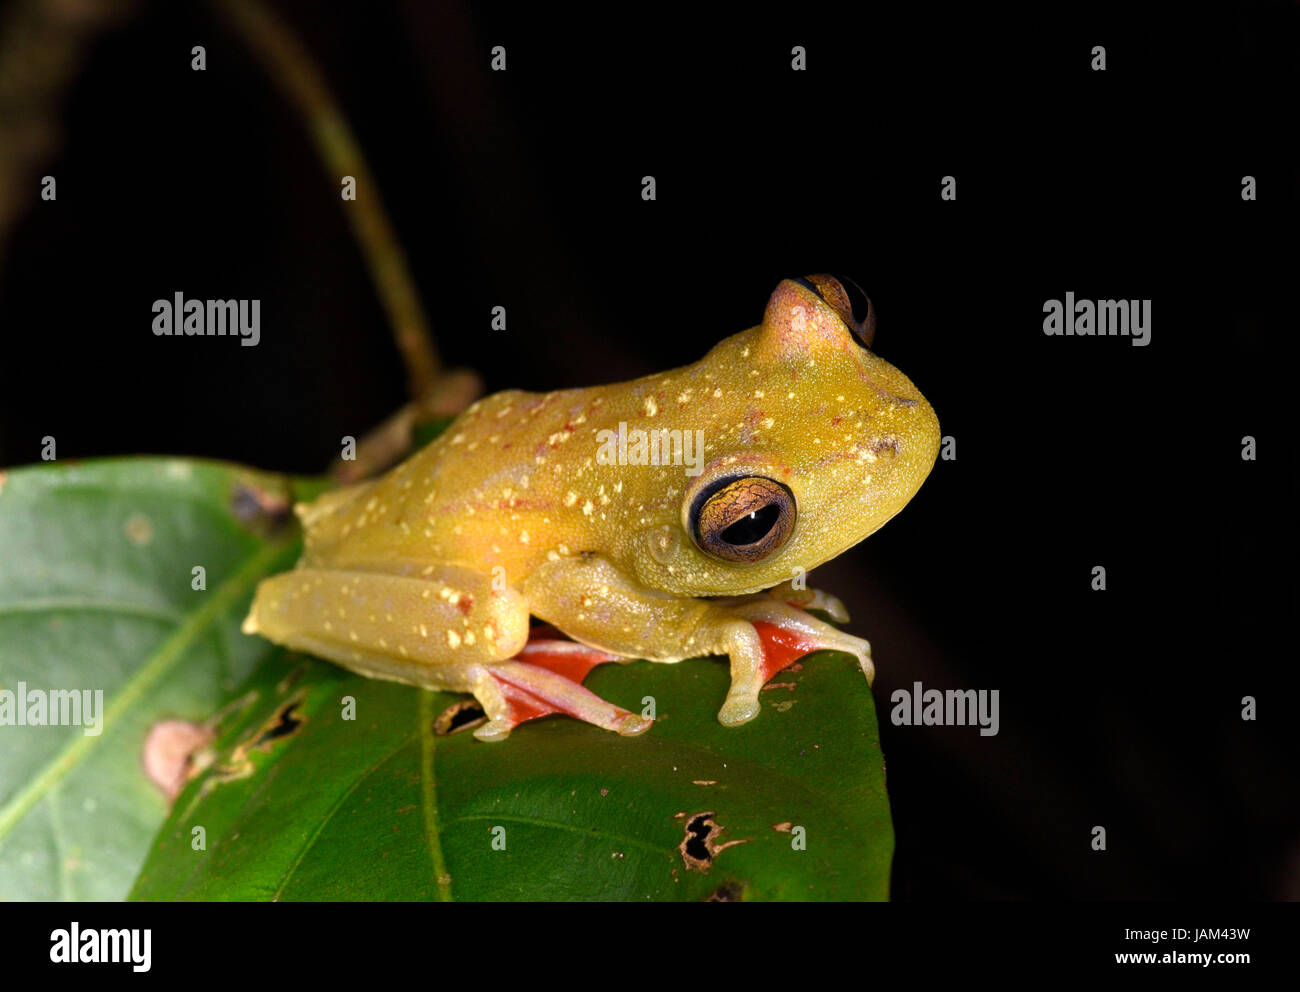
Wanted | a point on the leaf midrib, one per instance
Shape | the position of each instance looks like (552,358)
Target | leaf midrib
(429,801)
(85,604)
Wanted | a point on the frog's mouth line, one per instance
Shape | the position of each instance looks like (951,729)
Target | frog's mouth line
(893,445)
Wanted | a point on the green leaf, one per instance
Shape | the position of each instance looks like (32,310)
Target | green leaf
(426,431)
(96,594)
(303,803)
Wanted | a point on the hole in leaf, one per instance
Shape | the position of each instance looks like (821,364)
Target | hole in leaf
(282,724)
(458,716)
(697,830)
(700,844)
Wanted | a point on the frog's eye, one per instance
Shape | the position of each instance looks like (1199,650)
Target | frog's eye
(743,519)
(835,296)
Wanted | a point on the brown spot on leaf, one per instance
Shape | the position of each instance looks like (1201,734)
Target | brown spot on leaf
(726,892)
(290,680)
(139,529)
(700,844)
(783,828)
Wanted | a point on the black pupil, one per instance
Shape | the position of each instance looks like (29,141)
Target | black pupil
(752,527)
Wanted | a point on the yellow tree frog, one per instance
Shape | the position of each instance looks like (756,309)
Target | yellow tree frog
(429,575)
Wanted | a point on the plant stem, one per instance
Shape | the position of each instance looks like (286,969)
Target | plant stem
(288,62)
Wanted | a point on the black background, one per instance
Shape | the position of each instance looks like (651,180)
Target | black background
(522,189)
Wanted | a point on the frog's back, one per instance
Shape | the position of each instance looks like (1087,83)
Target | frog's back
(515,478)
(469,496)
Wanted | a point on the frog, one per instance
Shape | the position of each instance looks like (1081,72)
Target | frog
(521,548)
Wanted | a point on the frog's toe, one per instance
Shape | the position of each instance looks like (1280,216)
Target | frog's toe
(494,730)
(737,710)
(816,599)
(832,606)
(634,724)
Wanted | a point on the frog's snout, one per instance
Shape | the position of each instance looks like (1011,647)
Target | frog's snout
(902,450)
(923,438)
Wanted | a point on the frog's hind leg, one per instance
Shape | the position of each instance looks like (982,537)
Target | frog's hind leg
(447,630)
(433,631)
(545,678)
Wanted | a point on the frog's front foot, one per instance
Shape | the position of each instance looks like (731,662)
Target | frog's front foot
(811,599)
(764,634)
(545,678)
